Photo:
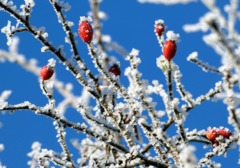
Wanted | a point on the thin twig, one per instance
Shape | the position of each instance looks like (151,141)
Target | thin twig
(83,129)
(76,55)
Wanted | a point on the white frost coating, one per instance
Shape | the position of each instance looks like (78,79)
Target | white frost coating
(159,21)
(167,2)
(83,18)
(36,147)
(142,121)
(187,157)
(5,94)
(44,49)
(175,102)
(162,63)
(70,24)
(52,62)
(2,166)
(173,36)
(1,147)
(133,53)
(106,90)
(204,21)
(83,125)
(211,39)
(193,28)
(106,38)
(209,2)
(3,97)
(132,89)
(65,6)
(4,2)
(192,56)
(67,40)
(102,15)
(92,150)
(49,86)
(85,97)
(218,84)
(45,34)
(8,31)
(10,4)
(134,150)
(209,17)
(13,47)
(31,3)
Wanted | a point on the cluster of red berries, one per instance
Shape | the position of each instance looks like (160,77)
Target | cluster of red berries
(169,47)
(213,134)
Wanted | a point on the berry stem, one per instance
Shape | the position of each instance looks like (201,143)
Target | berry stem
(175,110)
(48,94)
(169,81)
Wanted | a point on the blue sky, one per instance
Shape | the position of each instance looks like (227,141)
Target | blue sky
(131,25)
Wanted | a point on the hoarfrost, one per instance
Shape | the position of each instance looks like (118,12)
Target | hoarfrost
(8,31)
(187,157)
(83,18)
(159,21)
(52,62)
(173,36)
(106,38)
(1,147)
(44,49)
(192,56)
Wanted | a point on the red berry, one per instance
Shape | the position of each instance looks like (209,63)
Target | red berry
(46,72)
(212,134)
(85,31)
(115,70)
(169,49)
(225,133)
(159,29)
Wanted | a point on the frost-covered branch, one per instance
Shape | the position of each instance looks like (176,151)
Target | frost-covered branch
(126,121)
(80,127)
(67,28)
(38,34)
(219,150)
(193,57)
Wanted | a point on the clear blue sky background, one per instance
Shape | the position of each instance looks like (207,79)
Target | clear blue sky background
(131,25)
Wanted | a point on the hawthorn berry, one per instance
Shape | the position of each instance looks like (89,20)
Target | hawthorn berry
(85,31)
(159,29)
(169,49)
(115,70)
(46,72)
(225,133)
(212,134)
